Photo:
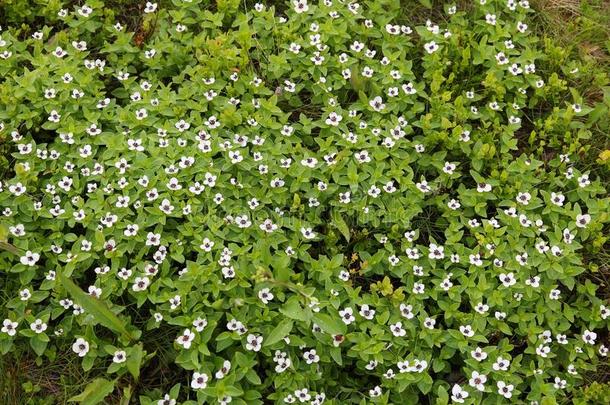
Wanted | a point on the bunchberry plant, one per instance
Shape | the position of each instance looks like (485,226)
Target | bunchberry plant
(319,202)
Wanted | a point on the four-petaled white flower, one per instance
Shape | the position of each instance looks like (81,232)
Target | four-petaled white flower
(119,356)
(199,381)
(458,394)
(506,390)
(477,381)
(186,338)
(9,327)
(347,315)
(254,342)
(431,46)
(80,347)
(29,258)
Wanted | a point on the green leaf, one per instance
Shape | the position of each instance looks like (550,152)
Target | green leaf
(339,223)
(94,392)
(126,398)
(134,361)
(442,396)
(279,332)
(335,353)
(425,384)
(38,345)
(95,307)
(293,309)
(329,324)
(548,401)
(9,248)
(253,377)
(3,233)
(426,3)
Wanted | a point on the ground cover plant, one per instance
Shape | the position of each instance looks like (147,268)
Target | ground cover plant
(300,202)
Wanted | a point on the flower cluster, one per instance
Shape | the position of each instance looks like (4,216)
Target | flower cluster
(318,205)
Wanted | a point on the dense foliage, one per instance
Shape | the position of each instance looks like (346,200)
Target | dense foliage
(315,204)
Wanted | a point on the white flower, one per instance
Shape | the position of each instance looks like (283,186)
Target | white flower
(309,162)
(333,119)
(429,323)
(406,311)
(436,252)
(80,347)
(17,189)
(199,324)
(302,395)
(84,11)
(589,337)
(153,239)
(175,301)
(604,312)
(554,294)
(30,258)
(377,104)
(501,364)
(582,220)
(458,394)
(300,6)
(94,291)
(243,221)
(366,312)
(224,370)
(167,400)
(254,343)
(477,381)
(182,125)
(418,288)
(559,383)
(505,390)
(265,295)
(150,7)
(423,186)
(199,381)
(311,356)
(466,330)
(375,392)
(228,272)
(475,260)
(478,354)
(543,351)
(557,199)
(431,47)
(419,366)
(9,327)
(524,198)
(38,326)
(119,356)
(308,233)
(449,167)
(533,281)
(584,181)
(397,329)
(141,283)
(409,88)
(186,338)
(207,245)
(131,230)
(507,280)
(347,315)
